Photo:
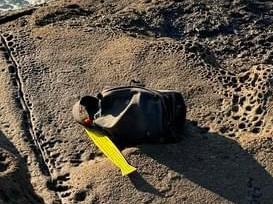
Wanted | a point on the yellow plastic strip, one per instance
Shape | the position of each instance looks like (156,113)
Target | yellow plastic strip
(111,151)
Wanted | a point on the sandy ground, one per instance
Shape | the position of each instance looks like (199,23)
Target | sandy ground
(218,53)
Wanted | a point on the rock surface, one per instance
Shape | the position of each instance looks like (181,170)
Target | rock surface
(218,53)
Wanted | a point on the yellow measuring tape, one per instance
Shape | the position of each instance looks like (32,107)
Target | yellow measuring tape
(111,151)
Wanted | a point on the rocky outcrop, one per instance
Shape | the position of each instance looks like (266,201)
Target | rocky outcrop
(217,53)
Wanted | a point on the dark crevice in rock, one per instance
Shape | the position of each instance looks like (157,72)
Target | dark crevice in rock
(14,16)
(62,14)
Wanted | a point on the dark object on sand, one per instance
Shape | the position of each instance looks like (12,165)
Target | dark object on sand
(134,115)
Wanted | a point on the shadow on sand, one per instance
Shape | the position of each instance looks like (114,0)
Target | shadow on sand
(15,186)
(214,162)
